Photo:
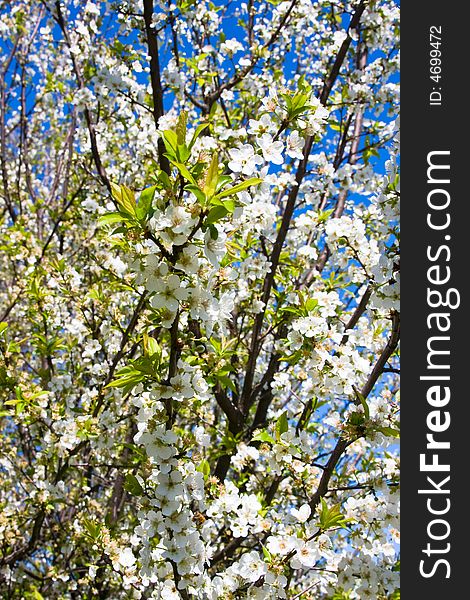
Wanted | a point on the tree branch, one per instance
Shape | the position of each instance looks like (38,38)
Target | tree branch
(287,217)
(155,79)
(342,444)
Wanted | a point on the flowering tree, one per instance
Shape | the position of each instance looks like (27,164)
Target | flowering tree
(199,299)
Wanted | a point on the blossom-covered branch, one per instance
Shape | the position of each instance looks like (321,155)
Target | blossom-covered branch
(199,300)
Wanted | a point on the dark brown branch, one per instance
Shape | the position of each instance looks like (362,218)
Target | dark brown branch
(175,351)
(81,84)
(385,355)
(232,412)
(238,77)
(353,157)
(3,153)
(119,493)
(342,443)
(174,35)
(155,79)
(287,217)
(322,489)
(26,548)
(353,25)
(283,21)
(360,309)
(125,338)
(227,550)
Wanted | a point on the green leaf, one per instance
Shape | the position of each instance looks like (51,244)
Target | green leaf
(266,553)
(298,111)
(263,436)
(119,230)
(282,425)
(229,441)
(125,199)
(204,468)
(151,346)
(183,153)
(93,528)
(292,358)
(213,110)
(184,171)
(145,365)
(311,304)
(215,214)
(226,369)
(324,214)
(389,431)
(132,485)
(181,128)
(331,517)
(110,219)
(288,100)
(239,187)
(299,100)
(213,231)
(357,418)
(199,129)
(212,176)
(365,406)
(163,177)
(226,382)
(194,189)
(222,180)
(228,204)
(145,202)
(171,140)
(127,378)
